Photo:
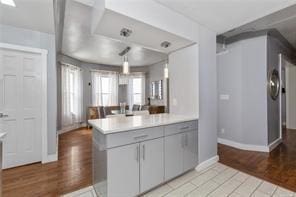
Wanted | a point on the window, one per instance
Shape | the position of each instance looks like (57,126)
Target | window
(71,95)
(104,88)
(137,89)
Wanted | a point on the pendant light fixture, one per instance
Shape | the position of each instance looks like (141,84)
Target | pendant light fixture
(125,66)
(166,70)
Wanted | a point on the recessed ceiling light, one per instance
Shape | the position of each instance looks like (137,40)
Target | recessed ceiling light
(8,2)
(165,44)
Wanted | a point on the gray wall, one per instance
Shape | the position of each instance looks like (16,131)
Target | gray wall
(254,101)
(19,36)
(242,76)
(207,129)
(250,116)
(229,83)
(275,47)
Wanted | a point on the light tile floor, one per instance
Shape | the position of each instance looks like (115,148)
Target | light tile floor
(216,181)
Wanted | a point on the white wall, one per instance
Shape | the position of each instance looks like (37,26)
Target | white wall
(25,37)
(183,79)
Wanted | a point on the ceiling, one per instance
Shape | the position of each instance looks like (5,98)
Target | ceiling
(284,21)
(30,14)
(81,44)
(224,15)
(142,33)
(103,43)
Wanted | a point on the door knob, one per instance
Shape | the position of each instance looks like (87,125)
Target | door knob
(3,115)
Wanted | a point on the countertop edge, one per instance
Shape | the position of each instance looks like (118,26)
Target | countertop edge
(141,127)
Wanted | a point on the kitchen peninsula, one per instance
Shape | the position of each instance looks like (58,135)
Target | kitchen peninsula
(132,155)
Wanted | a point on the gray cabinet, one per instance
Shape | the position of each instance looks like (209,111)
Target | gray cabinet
(151,164)
(190,157)
(123,170)
(180,148)
(128,164)
(173,155)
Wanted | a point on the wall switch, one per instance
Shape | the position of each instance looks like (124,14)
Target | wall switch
(224,97)
(222,131)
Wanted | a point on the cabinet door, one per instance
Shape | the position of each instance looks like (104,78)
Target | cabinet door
(173,156)
(190,150)
(123,171)
(151,164)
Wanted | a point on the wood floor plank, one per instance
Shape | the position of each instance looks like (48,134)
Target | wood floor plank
(278,167)
(71,172)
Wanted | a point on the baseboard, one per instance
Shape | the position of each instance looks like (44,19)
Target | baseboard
(241,146)
(274,144)
(50,158)
(71,128)
(205,164)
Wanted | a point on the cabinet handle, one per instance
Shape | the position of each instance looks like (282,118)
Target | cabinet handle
(140,137)
(137,154)
(143,147)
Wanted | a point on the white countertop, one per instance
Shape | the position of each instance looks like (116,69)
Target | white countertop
(2,136)
(119,124)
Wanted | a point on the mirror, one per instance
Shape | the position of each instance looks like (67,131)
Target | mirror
(274,84)
(156,90)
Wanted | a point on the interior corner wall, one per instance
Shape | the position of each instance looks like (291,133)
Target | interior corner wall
(25,37)
(207,127)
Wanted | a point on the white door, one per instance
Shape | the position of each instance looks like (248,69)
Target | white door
(291,96)
(20,100)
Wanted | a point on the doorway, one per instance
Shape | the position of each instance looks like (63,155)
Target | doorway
(288,94)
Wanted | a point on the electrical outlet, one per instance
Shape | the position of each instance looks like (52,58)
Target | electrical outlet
(175,102)
(222,130)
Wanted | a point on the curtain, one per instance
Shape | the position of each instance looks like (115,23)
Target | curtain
(104,88)
(71,95)
(136,89)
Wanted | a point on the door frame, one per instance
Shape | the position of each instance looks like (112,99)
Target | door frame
(43,52)
(282,58)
